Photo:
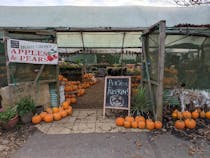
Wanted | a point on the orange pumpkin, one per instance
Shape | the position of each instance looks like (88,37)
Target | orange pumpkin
(65,105)
(150,125)
(68,100)
(57,116)
(63,113)
(208,115)
(134,124)
(142,124)
(139,118)
(195,114)
(48,110)
(179,115)
(55,109)
(73,100)
(127,124)
(48,118)
(202,114)
(119,121)
(179,124)
(36,119)
(174,114)
(158,125)
(190,123)
(129,118)
(186,114)
(43,114)
(69,110)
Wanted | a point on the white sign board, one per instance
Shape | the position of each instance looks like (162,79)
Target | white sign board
(20,51)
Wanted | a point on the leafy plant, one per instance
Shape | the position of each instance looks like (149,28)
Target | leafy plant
(140,102)
(25,106)
(8,114)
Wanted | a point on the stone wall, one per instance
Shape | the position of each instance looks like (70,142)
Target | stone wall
(12,94)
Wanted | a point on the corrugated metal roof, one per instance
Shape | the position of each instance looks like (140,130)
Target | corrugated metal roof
(87,17)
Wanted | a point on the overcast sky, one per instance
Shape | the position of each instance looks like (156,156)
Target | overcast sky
(86,2)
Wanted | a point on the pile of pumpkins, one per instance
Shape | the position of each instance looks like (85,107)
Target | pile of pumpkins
(187,119)
(138,122)
(53,114)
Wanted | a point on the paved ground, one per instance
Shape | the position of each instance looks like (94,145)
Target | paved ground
(83,121)
(108,145)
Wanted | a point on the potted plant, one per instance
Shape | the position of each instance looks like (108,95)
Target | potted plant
(8,118)
(25,109)
(140,103)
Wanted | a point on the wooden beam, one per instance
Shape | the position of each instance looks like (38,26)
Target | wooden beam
(39,73)
(161,60)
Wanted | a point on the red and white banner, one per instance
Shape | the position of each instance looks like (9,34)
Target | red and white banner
(21,51)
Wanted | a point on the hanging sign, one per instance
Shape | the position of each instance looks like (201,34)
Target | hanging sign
(21,51)
(117,93)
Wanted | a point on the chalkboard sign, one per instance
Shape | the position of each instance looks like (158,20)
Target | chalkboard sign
(117,93)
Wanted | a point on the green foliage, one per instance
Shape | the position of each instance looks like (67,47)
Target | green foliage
(25,105)
(8,114)
(140,102)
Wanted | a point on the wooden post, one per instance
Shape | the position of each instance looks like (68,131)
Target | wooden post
(38,75)
(7,58)
(161,60)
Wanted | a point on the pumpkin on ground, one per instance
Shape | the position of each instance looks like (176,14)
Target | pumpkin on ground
(139,118)
(43,114)
(208,115)
(56,116)
(55,109)
(179,124)
(129,118)
(73,100)
(63,113)
(190,123)
(127,124)
(134,124)
(142,124)
(202,114)
(150,125)
(174,114)
(119,121)
(158,125)
(36,119)
(48,118)
(69,110)
(179,115)
(195,114)
(186,114)
(48,110)
(65,105)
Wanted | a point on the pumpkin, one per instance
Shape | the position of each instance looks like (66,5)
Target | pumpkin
(55,109)
(139,118)
(134,124)
(65,105)
(43,114)
(186,114)
(198,110)
(179,124)
(195,114)
(142,124)
(48,110)
(69,110)
(150,125)
(190,123)
(179,115)
(129,118)
(174,114)
(127,124)
(202,114)
(119,121)
(158,125)
(73,100)
(208,115)
(68,100)
(57,116)
(36,119)
(63,113)
(48,118)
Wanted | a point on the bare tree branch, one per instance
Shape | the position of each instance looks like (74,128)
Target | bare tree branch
(191,2)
